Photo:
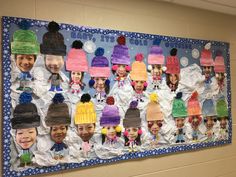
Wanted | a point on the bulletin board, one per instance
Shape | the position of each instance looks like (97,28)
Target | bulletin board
(159,95)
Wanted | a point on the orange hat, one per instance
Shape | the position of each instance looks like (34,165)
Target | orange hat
(138,72)
(194,105)
(153,109)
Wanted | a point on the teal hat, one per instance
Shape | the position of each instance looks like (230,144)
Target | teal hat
(24,40)
(179,108)
(208,108)
(221,108)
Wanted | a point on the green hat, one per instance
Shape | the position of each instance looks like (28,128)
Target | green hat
(179,108)
(24,40)
(221,108)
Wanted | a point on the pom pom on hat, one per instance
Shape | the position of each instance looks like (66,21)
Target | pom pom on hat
(58,98)
(153,97)
(121,40)
(99,51)
(218,53)
(91,82)
(77,44)
(139,57)
(133,104)
(118,129)
(25,98)
(173,52)
(179,95)
(85,98)
(24,25)
(107,82)
(110,100)
(207,46)
(164,68)
(53,27)
(149,67)
(157,41)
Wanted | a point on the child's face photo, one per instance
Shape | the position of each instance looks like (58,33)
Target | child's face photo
(207,70)
(195,122)
(58,133)
(179,122)
(76,76)
(86,131)
(173,78)
(220,77)
(111,131)
(132,133)
(223,122)
(156,70)
(100,83)
(54,63)
(209,122)
(139,86)
(25,62)
(154,127)
(121,71)
(25,138)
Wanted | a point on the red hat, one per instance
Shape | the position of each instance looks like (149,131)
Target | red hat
(219,65)
(206,56)
(194,105)
(172,63)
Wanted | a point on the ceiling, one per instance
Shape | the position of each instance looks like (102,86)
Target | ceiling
(223,6)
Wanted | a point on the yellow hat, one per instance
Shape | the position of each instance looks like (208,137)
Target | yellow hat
(85,112)
(138,71)
(153,109)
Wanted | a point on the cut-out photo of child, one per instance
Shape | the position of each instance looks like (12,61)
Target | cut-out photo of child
(25,48)
(25,122)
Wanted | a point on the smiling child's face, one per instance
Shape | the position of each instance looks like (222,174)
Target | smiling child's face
(25,138)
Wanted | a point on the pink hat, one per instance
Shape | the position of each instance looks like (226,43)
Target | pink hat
(219,66)
(100,65)
(206,58)
(194,105)
(156,56)
(172,63)
(76,59)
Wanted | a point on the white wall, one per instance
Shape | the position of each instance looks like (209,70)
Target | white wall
(147,16)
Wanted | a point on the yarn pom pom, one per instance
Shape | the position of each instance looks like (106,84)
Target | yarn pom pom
(207,46)
(157,41)
(173,52)
(133,104)
(107,82)
(194,95)
(25,98)
(91,83)
(179,95)
(99,52)
(77,44)
(153,97)
(104,131)
(58,98)
(53,27)
(25,25)
(218,53)
(110,100)
(85,98)
(118,129)
(139,57)
(121,40)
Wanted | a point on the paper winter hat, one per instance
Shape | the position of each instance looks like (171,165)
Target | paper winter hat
(208,108)
(172,63)
(179,109)
(58,112)
(153,109)
(219,64)
(76,59)
(221,108)
(110,113)
(85,111)
(138,71)
(24,40)
(194,105)
(132,116)
(53,41)
(25,114)
(100,65)
(156,56)
(206,56)
(120,54)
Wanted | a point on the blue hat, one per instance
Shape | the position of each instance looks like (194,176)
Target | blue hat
(208,108)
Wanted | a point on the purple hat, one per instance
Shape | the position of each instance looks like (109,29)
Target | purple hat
(120,53)
(156,56)
(110,113)
(100,65)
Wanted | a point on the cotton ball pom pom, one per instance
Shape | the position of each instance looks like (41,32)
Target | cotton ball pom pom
(207,46)
(149,67)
